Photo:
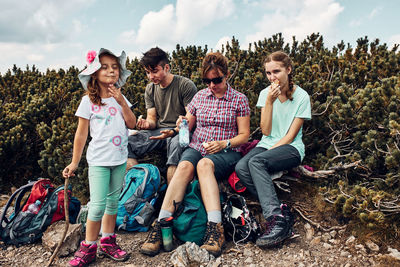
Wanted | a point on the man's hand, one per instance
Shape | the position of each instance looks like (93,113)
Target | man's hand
(164,134)
(142,124)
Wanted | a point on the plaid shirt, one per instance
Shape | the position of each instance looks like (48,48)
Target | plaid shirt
(216,117)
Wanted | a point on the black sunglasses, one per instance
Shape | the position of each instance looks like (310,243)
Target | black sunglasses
(217,80)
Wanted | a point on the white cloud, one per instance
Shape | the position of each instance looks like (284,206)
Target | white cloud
(296,18)
(374,12)
(35,57)
(157,26)
(36,20)
(178,24)
(222,42)
(43,56)
(394,39)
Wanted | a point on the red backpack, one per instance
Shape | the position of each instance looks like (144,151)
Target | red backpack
(40,190)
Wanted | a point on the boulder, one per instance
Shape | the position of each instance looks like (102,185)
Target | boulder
(53,235)
(190,254)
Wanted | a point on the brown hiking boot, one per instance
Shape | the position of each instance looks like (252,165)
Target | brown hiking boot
(214,238)
(152,245)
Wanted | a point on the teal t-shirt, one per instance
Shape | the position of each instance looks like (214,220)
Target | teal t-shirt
(283,115)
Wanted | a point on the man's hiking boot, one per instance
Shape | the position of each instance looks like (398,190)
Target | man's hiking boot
(277,230)
(84,256)
(152,245)
(109,248)
(214,238)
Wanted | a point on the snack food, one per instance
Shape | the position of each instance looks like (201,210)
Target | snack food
(275,83)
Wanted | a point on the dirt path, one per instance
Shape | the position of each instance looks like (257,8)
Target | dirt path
(305,249)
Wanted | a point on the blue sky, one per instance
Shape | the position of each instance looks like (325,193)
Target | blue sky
(57,34)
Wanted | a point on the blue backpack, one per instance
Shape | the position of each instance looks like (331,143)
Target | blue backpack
(136,202)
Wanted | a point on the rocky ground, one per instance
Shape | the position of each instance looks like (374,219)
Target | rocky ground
(319,240)
(307,248)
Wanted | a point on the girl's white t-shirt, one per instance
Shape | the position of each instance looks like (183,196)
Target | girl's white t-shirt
(108,146)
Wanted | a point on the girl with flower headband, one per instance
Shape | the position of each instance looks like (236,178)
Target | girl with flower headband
(106,111)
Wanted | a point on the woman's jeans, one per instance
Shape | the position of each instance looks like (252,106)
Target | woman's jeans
(255,168)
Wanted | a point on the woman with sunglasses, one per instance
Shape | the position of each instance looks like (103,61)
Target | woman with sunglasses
(284,107)
(221,118)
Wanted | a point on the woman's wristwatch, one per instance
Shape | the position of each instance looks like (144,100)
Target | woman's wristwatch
(228,144)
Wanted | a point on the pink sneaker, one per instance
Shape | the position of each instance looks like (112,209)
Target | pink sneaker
(109,248)
(84,256)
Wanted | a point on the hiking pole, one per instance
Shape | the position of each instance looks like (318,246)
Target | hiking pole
(66,204)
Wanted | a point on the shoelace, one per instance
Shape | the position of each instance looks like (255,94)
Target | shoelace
(212,235)
(155,235)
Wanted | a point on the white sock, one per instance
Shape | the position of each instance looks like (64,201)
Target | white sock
(214,216)
(90,242)
(164,214)
(106,234)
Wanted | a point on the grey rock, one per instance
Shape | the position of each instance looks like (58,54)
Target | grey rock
(372,246)
(344,253)
(325,237)
(327,246)
(333,233)
(309,231)
(394,253)
(360,247)
(190,254)
(316,240)
(52,236)
(248,260)
(350,240)
(247,252)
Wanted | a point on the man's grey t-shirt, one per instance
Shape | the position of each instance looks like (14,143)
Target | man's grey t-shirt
(170,102)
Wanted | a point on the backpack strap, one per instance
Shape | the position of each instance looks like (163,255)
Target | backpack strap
(18,195)
(140,190)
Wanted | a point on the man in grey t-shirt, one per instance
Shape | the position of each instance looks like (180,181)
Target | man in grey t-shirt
(166,97)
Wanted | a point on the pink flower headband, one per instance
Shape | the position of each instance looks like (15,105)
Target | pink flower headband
(91,55)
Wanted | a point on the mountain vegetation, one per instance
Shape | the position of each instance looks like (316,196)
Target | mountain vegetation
(355,95)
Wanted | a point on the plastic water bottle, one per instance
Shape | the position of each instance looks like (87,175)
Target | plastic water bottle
(34,207)
(184,133)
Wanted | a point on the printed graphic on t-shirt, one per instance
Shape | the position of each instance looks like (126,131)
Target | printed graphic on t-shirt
(107,114)
(119,142)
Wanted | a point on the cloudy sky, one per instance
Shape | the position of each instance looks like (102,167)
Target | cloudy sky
(57,34)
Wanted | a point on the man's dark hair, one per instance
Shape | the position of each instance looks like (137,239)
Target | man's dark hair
(154,57)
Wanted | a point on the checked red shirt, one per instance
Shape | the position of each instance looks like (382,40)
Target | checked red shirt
(216,117)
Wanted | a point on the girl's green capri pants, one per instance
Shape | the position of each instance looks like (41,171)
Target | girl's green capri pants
(105,185)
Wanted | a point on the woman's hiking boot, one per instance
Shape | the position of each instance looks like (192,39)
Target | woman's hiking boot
(277,230)
(84,256)
(288,216)
(109,248)
(152,245)
(214,238)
